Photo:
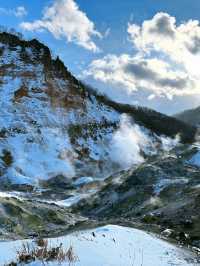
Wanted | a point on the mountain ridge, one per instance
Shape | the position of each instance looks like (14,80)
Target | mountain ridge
(190,116)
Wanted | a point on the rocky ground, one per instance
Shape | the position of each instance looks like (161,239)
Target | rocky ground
(161,195)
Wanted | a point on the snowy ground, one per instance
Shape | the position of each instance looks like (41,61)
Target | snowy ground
(195,160)
(112,246)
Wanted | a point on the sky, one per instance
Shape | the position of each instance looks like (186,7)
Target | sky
(144,52)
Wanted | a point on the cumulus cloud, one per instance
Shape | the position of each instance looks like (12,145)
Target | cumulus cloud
(179,43)
(19,11)
(163,66)
(135,74)
(65,20)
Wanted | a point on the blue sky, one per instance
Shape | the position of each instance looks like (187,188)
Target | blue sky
(113,17)
(113,14)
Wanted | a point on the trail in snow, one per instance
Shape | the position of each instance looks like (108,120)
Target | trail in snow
(112,246)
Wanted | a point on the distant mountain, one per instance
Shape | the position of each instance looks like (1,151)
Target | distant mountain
(191,116)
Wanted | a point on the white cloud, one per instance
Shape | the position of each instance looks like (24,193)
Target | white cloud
(181,44)
(19,11)
(107,33)
(164,66)
(133,74)
(65,20)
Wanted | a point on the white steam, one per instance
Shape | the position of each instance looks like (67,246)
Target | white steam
(169,143)
(131,143)
(128,143)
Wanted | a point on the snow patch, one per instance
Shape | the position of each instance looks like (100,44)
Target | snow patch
(166,182)
(16,195)
(83,180)
(195,160)
(111,246)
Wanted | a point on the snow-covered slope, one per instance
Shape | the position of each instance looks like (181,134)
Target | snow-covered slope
(111,246)
(51,125)
(38,109)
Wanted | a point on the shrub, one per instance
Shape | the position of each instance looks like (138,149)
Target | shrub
(44,253)
(7,157)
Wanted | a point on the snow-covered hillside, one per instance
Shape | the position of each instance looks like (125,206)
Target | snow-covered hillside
(52,126)
(111,246)
(37,111)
